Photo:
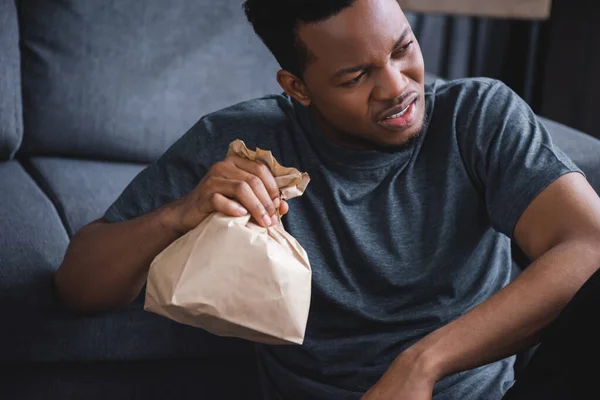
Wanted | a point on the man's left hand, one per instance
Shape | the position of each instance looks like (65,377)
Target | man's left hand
(407,379)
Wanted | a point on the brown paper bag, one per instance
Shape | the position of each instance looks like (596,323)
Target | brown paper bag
(232,277)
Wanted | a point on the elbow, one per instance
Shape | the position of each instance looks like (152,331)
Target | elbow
(587,246)
(70,296)
(78,297)
(596,250)
(84,286)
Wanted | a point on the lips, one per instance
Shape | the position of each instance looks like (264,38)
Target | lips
(402,120)
(398,115)
(398,109)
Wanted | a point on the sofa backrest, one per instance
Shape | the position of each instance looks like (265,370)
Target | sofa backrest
(123,79)
(11,123)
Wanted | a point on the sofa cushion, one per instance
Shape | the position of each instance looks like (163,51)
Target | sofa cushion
(583,149)
(11,126)
(82,190)
(123,79)
(32,244)
(215,379)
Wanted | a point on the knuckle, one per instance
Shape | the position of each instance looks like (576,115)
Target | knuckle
(206,187)
(260,208)
(254,181)
(213,198)
(210,180)
(269,209)
(217,168)
(241,188)
(219,165)
(274,192)
(262,169)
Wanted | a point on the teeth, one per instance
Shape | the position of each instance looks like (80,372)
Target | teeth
(401,113)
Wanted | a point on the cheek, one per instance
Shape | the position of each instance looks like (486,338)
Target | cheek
(346,107)
(417,65)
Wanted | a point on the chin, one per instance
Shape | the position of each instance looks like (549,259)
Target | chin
(400,141)
(386,142)
(396,146)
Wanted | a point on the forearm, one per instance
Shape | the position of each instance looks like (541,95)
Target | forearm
(511,320)
(106,264)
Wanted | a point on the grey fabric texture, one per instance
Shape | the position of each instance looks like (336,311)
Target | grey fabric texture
(45,332)
(11,122)
(32,244)
(583,149)
(221,378)
(82,190)
(33,241)
(376,227)
(429,78)
(122,79)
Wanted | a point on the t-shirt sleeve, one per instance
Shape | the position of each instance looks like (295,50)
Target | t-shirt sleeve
(509,154)
(174,174)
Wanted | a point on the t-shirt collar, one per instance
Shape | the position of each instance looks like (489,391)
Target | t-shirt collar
(344,156)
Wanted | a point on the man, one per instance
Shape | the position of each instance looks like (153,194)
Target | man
(416,191)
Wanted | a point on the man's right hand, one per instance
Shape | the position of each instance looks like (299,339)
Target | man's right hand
(107,263)
(235,187)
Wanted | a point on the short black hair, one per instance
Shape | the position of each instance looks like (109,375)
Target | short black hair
(276,23)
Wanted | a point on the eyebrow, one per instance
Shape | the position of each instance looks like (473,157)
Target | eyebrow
(359,68)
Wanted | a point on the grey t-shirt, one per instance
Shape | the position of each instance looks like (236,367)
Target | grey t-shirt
(400,243)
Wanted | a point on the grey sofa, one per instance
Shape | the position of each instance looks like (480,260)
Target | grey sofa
(91,91)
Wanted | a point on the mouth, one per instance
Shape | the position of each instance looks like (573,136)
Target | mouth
(400,116)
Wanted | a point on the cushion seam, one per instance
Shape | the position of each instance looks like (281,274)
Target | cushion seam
(46,188)
(18,72)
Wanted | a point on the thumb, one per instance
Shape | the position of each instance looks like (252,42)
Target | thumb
(283,208)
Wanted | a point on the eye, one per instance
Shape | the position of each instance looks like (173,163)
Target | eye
(354,81)
(403,49)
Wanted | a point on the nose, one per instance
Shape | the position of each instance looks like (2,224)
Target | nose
(391,83)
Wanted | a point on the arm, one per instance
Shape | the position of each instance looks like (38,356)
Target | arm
(106,264)
(560,230)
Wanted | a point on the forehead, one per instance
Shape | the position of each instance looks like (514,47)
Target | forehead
(365,31)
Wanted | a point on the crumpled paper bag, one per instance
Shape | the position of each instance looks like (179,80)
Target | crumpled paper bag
(232,277)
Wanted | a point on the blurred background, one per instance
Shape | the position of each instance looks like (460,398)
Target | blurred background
(552,61)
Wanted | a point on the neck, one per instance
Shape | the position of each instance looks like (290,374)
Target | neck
(336,136)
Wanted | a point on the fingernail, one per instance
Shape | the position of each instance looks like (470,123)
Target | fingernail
(276,202)
(267,220)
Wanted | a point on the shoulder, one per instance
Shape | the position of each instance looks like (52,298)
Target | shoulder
(475,101)
(466,92)
(256,112)
(258,122)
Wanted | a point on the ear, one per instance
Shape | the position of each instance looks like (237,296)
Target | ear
(293,86)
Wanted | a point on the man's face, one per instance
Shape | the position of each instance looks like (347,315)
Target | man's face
(365,79)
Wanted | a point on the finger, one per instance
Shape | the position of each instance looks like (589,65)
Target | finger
(284,208)
(256,183)
(260,170)
(241,191)
(227,206)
